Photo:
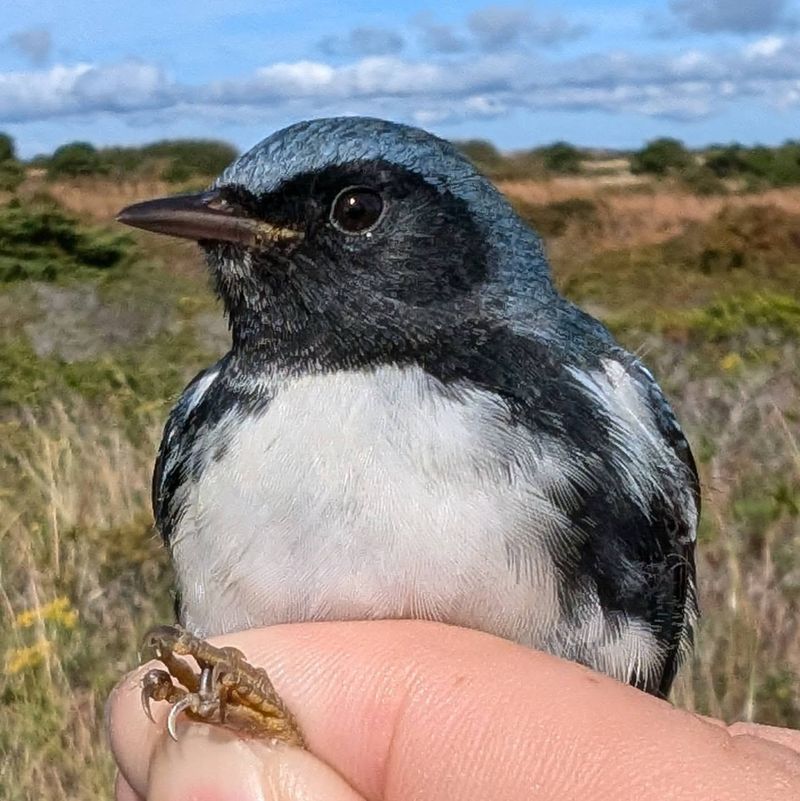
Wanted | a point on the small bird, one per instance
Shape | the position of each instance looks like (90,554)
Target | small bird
(411,422)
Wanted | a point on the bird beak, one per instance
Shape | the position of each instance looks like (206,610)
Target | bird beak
(204,217)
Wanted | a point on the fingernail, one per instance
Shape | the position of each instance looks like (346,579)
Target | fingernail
(209,763)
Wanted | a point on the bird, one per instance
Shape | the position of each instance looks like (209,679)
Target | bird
(411,421)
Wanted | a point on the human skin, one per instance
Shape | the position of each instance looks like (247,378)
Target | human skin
(401,710)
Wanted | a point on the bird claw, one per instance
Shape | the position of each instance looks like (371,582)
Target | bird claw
(172,719)
(227,690)
(157,685)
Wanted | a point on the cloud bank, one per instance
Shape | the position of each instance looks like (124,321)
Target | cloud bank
(489,69)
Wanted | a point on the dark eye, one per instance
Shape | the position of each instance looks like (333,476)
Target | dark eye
(356,209)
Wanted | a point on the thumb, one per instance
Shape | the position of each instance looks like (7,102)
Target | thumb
(209,763)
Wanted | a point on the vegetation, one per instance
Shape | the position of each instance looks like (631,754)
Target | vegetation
(175,161)
(74,160)
(757,166)
(99,332)
(660,157)
(12,173)
(7,149)
(556,218)
(561,157)
(41,242)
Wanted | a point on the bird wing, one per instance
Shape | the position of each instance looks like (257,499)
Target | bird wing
(173,462)
(632,503)
(679,528)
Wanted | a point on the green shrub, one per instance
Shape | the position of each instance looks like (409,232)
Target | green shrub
(758,166)
(7,149)
(12,174)
(173,160)
(660,157)
(727,162)
(204,157)
(561,157)
(74,160)
(731,316)
(484,155)
(41,242)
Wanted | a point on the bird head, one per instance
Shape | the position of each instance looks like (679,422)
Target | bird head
(353,233)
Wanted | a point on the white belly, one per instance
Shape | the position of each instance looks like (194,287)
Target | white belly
(373,495)
(381,495)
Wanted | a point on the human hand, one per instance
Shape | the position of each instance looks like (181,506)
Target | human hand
(397,710)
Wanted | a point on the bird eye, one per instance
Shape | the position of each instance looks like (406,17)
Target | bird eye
(356,209)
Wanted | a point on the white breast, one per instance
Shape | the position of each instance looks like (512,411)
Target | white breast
(371,495)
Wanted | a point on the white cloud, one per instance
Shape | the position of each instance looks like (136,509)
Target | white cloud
(764,48)
(685,86)
(81,89)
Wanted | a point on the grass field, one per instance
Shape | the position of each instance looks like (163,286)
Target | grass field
(98,334)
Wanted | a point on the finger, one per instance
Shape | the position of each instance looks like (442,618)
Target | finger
(785,737)
(211,763)
(409,709)
(788,738)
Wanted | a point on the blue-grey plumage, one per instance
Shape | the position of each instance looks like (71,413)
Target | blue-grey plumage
(411,421)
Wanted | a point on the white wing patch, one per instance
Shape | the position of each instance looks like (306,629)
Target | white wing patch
(200,388)
(641,454)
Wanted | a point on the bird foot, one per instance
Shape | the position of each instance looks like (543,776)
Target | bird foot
(226,690)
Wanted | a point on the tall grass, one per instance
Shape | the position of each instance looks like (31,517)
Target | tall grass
(81,578)
(82,574)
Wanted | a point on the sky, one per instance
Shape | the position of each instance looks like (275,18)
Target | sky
(606,73)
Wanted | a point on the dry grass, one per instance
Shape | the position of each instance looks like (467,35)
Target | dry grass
(629,219)
(82,576)
(98,199)
(747,660)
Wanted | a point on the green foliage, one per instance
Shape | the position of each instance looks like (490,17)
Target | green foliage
(700,180)
(123,381)
(728,161)
(74,160)
(175,160)
(12,174)
(43,243)
(561,157)
(190,157)
(7,149)
(558,158)
(483,154)
(736,314)
(660,157)
(757,166)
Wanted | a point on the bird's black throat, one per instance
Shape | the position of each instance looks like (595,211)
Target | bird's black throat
(334,299)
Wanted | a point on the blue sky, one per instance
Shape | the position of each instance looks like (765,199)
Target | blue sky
(595,73)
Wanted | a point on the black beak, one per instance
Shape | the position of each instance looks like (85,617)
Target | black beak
(204,217)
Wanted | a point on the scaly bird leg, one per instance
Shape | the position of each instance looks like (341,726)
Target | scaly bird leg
(226,690)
